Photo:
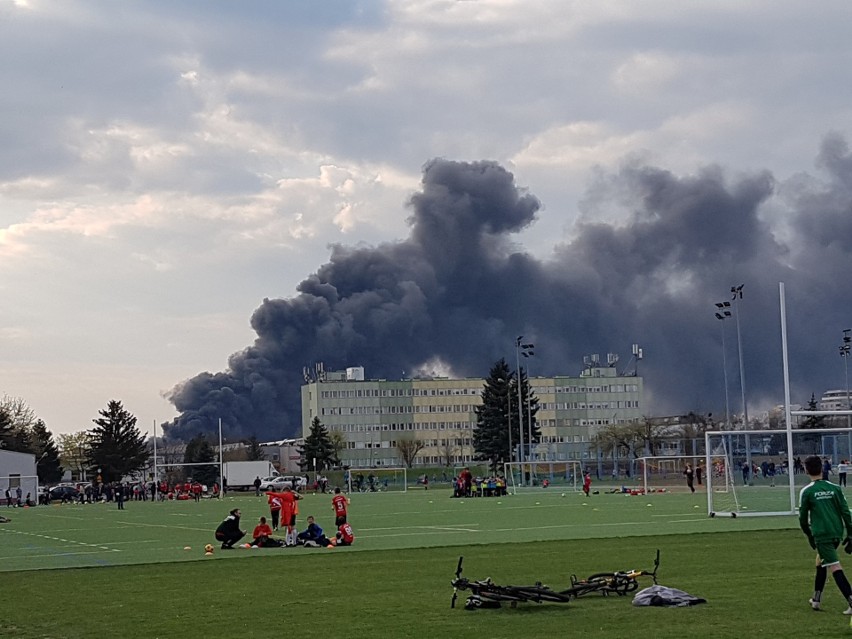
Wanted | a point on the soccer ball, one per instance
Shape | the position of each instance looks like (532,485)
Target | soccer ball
(208,548)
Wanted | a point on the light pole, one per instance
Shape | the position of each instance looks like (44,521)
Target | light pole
(736,297)
(509,412)
(844,353)
(526,349)
(721,315)
(529,407)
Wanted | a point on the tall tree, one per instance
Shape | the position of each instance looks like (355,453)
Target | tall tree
(74,452)
(408,448)
(254,451)
(117,447)
(318,452)
(48,468)
(5,428)
(338,444)
(810,442)
(491,435)
(198,451)
(16,426)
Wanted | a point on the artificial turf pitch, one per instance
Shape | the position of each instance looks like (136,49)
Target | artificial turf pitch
(92,570)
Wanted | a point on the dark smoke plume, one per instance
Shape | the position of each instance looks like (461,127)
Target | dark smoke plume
(458,291)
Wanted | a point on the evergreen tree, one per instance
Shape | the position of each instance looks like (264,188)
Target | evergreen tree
(318,447)
(117,447)
(198,450)
(813,421)
(254,451)
(491,435)
(810,443)
(47,454)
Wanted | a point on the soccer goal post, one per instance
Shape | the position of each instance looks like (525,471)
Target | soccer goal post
(372,480)
(564,475)
(668,473)
(760,467)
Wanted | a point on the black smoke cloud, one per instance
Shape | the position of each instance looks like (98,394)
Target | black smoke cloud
(458,291)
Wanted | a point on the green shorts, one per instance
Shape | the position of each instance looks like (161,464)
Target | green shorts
(827,551)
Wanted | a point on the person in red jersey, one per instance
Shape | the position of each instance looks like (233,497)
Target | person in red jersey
(339,504)
(274,501)
(345,536)
(262,536)
(587,482)
(288,513)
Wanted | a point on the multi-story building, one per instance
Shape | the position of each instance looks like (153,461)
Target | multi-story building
(440,412)
(834,400)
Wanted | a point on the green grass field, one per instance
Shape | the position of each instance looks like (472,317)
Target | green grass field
(92,570)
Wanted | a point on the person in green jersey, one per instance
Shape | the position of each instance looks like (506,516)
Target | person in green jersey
(825,519)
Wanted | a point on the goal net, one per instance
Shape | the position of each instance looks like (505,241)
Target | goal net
(562,475)
(668,473)
(764,478)
(369,480)
(28,485)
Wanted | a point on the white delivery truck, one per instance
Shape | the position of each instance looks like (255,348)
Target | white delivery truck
(240,475)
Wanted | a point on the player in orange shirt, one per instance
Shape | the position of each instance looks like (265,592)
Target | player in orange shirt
(288,513)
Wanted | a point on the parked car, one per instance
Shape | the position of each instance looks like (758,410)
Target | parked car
(64,492)
(277,483)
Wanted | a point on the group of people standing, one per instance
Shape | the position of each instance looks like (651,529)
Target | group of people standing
(283,510)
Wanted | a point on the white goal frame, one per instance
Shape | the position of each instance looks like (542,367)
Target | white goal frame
(378,485)
(541,470)
(789,456)
(648,483)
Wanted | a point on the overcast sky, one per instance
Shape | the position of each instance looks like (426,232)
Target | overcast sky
(166,166)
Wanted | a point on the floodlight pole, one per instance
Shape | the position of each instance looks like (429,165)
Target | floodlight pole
(527,351)
(845,347)
(520,406)
(509,412)
(722,315)
(737,294)
(221,464)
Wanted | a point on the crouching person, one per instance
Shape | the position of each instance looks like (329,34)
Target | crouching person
(228,532)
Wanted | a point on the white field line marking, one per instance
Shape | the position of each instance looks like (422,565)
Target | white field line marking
(137,524)
(371,529)
(450,529)
(66,541)
(500,530)
(58,554)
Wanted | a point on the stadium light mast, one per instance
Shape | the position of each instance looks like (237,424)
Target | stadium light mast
(526,350)
(722,314)
(529,353)
(844,353)
(736,298)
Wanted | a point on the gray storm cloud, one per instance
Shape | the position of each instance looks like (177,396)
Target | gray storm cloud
(459,290)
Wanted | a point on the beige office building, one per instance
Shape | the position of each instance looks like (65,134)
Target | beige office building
(374,414)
